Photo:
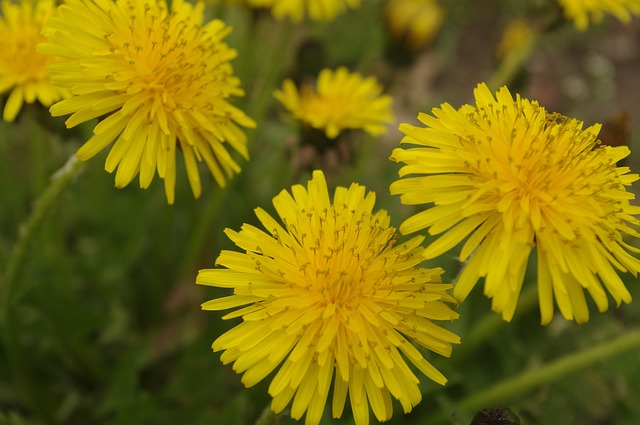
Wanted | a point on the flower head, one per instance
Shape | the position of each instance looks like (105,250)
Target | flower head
(329,290)
(581,10)
(416,22)
(517,36)
(21,66)
(296,10)
(508,176)
(341,101)
(161,78)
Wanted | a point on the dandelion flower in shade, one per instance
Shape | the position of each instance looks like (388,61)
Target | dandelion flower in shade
(161,79)
(296,10)
(582,11)
(517,38)
(507,176)
(340,101)
(416,22)
(22,68)
(329,294)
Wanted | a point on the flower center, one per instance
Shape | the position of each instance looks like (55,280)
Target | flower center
(169,57)
(19,54)
(347,244)
(543,167)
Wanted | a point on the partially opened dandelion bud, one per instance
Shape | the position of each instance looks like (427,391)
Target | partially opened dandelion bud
(328,293)
(160,78)
(22,68)
(582,12)
(507,177)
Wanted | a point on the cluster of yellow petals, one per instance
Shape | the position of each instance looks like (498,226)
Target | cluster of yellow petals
(584,11)
(22,68)
(517,38)
(161,79)
(506,176)
(340,101)
(414,22)
(330,294)
(296,10)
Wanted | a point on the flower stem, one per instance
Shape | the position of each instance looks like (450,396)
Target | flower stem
(512,387)
(512,64)
(11,292)
(267,417)
(271,61)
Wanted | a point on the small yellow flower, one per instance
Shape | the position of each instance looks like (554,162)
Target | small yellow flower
(507,176)
(415,22)
(328,293)
(21,66)
(341,101)
(581,10)
(517,36)
(161,79)
(296,10)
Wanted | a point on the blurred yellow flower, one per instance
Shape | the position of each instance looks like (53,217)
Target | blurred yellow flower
(21,66)
(341,101)
(414,22)
(296,10)
(580,11)
(329,293)
(516,37)
(508,176)
(160,77)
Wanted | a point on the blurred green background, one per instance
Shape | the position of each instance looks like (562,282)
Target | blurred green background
(109,317)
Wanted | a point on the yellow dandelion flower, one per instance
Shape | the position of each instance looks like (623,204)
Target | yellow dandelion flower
(580,11)
(330,290)
(21,66)
(508,176)
(341,101)
(162,79)
(296,10)
(415,22)
(517,36)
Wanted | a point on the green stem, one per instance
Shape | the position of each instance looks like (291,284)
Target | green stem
(272,58)
(264,83)
(513,387)
(11,292)
(267,417)
(512,64)
(208,215)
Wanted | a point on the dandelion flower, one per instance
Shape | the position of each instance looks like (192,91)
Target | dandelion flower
(21,66)
(341,101)
(416,22)
(508,176)
(581,10)
(161,79)
(296,10)
(329,294)
(518,37)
